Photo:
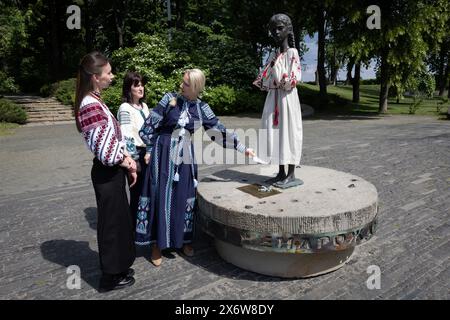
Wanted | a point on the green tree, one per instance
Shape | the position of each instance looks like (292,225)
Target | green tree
(13,40)
(408,29)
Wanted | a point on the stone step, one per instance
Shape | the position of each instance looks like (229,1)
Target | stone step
(21,102)
(46,115)
(45,105)
(30,100)
(37,110)
(43,110)
(49,114)
(48,119)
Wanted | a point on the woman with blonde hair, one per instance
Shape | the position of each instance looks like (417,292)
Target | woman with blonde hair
(167,206)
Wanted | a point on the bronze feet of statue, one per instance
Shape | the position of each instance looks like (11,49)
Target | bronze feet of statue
(288,182)
(279,177)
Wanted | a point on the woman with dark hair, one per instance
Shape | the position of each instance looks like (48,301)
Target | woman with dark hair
(282,117)
(103,137)
(131,115)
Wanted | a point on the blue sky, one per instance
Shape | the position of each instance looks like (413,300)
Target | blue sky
(310,63)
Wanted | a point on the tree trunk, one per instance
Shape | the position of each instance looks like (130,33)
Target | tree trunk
(355,82)
(444,80)
(350,64)
(55,56)
(297,34)
(321,52)
(384,86)
(89,35)
(179,13)
(442,70)
(119,18)
(333,68)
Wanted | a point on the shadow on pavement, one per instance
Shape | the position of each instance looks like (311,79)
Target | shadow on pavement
(70,252)
(91,217)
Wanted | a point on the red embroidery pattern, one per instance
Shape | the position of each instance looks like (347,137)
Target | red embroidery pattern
(111,144)
(98,141)
(92,116)
(117,130)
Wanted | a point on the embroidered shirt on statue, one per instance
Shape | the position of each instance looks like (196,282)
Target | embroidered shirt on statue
(101,131)
(282,71)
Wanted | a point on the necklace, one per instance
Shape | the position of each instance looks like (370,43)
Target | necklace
(97,96)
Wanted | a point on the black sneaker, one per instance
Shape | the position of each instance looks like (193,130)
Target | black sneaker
(108,283)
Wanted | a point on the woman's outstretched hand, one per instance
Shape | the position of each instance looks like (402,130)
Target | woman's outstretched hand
(250,153)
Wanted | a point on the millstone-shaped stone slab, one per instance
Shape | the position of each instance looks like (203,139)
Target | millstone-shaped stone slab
(302,231)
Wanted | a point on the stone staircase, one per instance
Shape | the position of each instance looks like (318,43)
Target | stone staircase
(43,110)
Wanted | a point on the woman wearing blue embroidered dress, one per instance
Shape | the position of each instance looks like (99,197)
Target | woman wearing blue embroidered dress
(131,115)
(167,205)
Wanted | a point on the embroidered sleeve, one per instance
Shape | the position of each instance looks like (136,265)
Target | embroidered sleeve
(152,124)
(263,77)
(290,73)
(126,125)
(101,138)
(217,131)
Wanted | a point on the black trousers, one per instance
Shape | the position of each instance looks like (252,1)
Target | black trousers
(136,190)
(115,233)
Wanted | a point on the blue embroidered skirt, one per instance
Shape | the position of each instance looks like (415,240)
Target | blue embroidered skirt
(166,207)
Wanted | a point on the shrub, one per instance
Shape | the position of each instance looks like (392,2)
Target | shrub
(208,47)
(441,105)
(421,83)
(11,112)
(415,105)
(7,84)
(152,58)
(64,91)
(222,99)
(113,97)
(46,90)
(250,101)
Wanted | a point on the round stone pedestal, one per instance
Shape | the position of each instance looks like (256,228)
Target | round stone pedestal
(298,232)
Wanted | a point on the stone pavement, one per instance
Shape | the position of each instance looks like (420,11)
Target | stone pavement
(48,218)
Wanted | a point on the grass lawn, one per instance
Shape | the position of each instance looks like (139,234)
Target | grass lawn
(7,128)
(369,101)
